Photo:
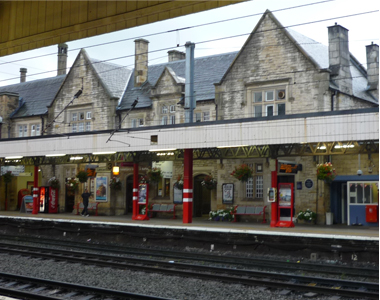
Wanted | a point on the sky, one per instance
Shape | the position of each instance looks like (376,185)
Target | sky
(361,18)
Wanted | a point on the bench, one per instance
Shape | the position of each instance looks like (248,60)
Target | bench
(243,210)
(91,206)
(168,208)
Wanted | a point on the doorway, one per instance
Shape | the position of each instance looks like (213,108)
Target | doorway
(69,199)
(201,198)
(129,195)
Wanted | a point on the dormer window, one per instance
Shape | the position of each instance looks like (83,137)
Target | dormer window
(172,108)
(269,102)
(80,121)
(164,109)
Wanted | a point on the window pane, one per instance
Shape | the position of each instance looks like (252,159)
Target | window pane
(38,131)
(198,117)
(249,188)
(172,108)
(134,123)
(88,115)
(359,193)
(258,111)
(269,110)
(259,187)
(81,127)
(352,193)
(281,109)
(141,122)
(257,97)
(164,110)
(367,193)
(20,131)
(164,120)
(88,126)
(206,116)
(172,119)
(74,117)
(74,127)
(269,96)
(33,130)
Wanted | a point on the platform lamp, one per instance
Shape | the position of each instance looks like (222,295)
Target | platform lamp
(115,168)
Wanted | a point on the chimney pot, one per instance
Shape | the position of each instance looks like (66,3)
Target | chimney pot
(372,54)
(141,62)
(174,55)
(23,72)
(62,59)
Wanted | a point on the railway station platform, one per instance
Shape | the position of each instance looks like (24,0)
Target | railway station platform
(328,243)
(202,224)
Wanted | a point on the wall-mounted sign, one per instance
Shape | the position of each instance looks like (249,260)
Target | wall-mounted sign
(178,196)
(101,187)
(15,170)
(309,183)
(166,168)
(228,193)
(289,168)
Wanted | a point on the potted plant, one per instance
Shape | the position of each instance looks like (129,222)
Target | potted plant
(143,208)
(115,183)
(209,183)
(179,183)
(326,172)
(82,176)
(72,185)
(154,175)
(221,214)
(307,215)
(242,172)
(54,182)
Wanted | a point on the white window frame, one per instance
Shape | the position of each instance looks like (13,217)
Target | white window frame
(88,126)
(80,127)
(88,115)
(206,116)
(164,109)
(198,117)
(22,130)
(164,120)
(172,119)
(267,101)
(172,109)
(254,187)
(35,130)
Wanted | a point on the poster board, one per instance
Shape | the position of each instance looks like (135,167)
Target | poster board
(27,204)
(101,189)
(228,193)
(177,195)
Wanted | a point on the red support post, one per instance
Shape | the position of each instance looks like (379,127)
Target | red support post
(36,204)
(188,187)
(135,190)
(274,206)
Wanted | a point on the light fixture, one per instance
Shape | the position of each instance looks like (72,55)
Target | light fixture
(322,148)
(76,158)
(233,146)
(105,152)
(343,146)
(115,170)
(161,150)
(52,155)
(14,157)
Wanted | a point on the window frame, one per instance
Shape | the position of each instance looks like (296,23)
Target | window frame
(262,97)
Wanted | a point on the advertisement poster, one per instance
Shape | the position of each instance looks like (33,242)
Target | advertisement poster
(228,193)
(142,193)
(285,195)
(101,188)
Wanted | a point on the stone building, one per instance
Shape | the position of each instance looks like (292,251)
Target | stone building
(278,74)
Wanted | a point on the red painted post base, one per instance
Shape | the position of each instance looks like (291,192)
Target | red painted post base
(187,212)
(285,224)
(141,218)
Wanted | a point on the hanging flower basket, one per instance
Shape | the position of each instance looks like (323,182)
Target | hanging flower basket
(154,175)
(242,172)
(326,172)
(179,183)
(7,177)
(54,182)
(72,185)
(115,183)
(209,183)
(82,176)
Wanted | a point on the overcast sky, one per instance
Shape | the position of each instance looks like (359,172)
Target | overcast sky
(363,29)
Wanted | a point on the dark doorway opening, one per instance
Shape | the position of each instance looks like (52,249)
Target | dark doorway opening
(201,198)
(69,200)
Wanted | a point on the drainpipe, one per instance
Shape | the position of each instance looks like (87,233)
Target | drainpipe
(42,124)
(333,95)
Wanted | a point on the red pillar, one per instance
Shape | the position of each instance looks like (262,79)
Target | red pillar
(135,190)
(188,187)
(274,206)
(36,204)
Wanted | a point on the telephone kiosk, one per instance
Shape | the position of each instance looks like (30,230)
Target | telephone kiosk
(285,196)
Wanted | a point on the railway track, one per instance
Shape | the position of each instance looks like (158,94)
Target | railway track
(249,262)
(33,288)
(319,285)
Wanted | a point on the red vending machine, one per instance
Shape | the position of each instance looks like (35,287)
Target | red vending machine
(285,205)
(48,198)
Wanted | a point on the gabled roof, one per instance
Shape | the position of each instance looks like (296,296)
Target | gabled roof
(36,95)
(207,71)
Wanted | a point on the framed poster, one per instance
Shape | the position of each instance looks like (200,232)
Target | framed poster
(101,187)
(228,193)
(142,193)
(178,196)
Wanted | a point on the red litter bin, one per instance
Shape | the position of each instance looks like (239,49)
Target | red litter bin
(371,214)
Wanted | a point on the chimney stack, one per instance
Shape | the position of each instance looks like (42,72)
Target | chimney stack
(141,61)
(23,72)
(339,58)
(176,55)
(62,59)
(373,67)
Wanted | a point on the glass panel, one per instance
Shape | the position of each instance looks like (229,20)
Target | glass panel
(198,117)
(20,131)
(38,132)
(375,192)
(88,126)
(367,193)
(134,123)
(269,110)
(74,127)
(269,96)
(249,188)
(33,130)
(206,116)
(172,108)
(359,193)
(259,186)
(88,115)
(172,119)
(164,120)
(352,193)
(257,97)
(281,109)
(81,127)
(258,111)
(74,117)
(164,110)
(81,116)
(141,122)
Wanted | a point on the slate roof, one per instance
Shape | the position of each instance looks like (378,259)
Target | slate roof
(207,71)
(114,77)
(36,95)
